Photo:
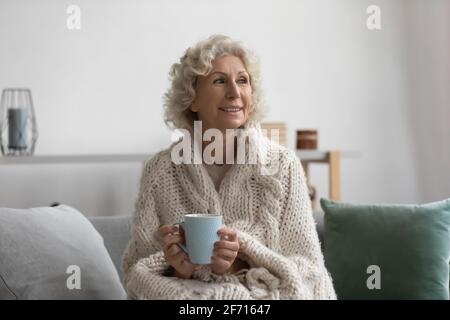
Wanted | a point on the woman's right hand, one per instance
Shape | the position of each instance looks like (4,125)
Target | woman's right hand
(173,254)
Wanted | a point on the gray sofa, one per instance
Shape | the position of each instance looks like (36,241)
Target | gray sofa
(42,250)
(116,231)
(57,252)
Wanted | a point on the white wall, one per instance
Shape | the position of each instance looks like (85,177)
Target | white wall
(429,94)
(99,89)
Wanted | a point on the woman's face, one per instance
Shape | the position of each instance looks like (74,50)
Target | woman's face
(224,97)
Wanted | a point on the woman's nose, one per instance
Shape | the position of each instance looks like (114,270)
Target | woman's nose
(233,90)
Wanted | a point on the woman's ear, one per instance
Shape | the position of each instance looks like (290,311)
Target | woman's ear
(193,107)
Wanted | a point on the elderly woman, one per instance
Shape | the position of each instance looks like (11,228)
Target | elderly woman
(268,247)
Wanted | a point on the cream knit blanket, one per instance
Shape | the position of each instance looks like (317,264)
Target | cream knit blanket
(272,214)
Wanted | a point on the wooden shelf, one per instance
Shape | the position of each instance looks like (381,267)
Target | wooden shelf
(304,155)
(307,157)
(61,159)
(321,155)
(333,159)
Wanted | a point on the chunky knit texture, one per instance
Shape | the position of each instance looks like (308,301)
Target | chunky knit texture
(217,172)
(273,217)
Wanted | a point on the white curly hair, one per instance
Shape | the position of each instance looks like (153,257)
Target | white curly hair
(197,61)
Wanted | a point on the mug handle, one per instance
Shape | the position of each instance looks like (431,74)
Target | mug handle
(182,246)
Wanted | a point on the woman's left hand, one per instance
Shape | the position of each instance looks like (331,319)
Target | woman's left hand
(225,250)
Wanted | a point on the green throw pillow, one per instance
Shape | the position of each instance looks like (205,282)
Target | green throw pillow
(388,251)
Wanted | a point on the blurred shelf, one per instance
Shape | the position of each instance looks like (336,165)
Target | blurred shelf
(304,155)
(61,159)
(322,155)
(307,157)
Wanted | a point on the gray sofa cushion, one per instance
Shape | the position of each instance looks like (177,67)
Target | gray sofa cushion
(116,232)
(38,245)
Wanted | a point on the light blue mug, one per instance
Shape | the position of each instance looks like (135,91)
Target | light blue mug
(200,233)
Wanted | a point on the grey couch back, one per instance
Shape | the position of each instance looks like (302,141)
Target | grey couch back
(116,232)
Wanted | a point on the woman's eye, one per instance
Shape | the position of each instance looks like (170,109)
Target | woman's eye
(218,81)
(221,81)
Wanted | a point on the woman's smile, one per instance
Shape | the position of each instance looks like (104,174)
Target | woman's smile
(232,110)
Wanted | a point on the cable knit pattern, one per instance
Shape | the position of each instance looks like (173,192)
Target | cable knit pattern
(273,217)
